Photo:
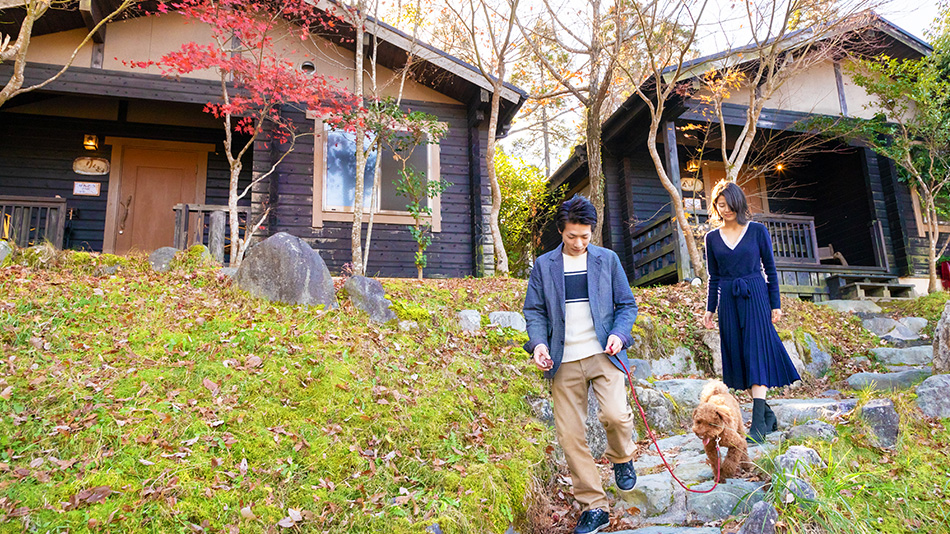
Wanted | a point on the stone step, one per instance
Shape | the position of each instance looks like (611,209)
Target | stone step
(877,291)
(790,412)
(671,530)
(888,381)
(922,355)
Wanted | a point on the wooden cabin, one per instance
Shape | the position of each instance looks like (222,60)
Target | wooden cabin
(99,159)
(843,225)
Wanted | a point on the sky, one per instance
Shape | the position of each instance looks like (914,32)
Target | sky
(914,16)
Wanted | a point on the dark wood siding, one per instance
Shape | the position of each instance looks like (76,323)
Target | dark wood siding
(37,152)
(915,244)
(392,249)
(649,199)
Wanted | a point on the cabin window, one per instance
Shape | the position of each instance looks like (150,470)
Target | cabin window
(335,180)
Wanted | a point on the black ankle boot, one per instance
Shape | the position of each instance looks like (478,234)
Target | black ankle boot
(757,430)
(771,422)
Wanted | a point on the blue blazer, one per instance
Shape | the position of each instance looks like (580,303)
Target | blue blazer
(611,303)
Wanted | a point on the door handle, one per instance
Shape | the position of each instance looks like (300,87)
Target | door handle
(125,213)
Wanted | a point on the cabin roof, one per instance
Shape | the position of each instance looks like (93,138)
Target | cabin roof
(897,41)
(437,69)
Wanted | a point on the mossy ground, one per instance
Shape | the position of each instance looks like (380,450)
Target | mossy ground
(199,407)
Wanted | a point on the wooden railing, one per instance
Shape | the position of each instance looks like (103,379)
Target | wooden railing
(29,221)
(793,238)
(654,251)
(207,224)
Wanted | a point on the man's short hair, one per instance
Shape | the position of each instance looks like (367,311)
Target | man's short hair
(577,210)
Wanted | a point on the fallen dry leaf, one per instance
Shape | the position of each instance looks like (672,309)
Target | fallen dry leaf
(246,513)
(211,386)
(286,522)
(6,393)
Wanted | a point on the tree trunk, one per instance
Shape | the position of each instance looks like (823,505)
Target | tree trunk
(595,170)
(695,258)
(237,244)
(547,143)
(501,256)
(356,235)
(933,235)
(21,45)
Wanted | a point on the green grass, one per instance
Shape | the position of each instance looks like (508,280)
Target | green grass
(865,489)
(191,402)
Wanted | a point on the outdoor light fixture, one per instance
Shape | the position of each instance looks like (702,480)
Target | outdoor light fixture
(90,142)
(692,165)
(779,167)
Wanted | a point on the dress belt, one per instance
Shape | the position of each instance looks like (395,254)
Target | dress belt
(743,293)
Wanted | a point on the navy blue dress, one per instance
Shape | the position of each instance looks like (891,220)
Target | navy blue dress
(752,353)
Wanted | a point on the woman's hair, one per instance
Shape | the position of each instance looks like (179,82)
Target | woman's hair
(577,210)
(735,199)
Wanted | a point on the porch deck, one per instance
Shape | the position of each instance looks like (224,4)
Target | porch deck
(658,260)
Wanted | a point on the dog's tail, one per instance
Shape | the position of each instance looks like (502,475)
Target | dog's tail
(713,387)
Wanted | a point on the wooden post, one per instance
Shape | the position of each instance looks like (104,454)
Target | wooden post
(216,229)
(683,268)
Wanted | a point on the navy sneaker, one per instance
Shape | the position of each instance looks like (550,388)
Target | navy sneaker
(592,521)
(625,476)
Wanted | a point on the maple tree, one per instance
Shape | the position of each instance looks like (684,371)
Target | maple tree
(256,82)
(16,50)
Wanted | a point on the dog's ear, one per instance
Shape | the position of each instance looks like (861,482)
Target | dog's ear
(724,413)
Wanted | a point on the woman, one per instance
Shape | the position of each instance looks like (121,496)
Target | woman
(753,357)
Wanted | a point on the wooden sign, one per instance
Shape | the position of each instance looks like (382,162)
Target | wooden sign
(91,166)
(86,189)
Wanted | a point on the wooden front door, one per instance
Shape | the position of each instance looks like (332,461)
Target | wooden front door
(753,187)
(152,182)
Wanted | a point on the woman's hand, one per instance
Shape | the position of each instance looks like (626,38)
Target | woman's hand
(776,315)
(708,320)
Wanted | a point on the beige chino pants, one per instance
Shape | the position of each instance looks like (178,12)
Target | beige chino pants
(569,395)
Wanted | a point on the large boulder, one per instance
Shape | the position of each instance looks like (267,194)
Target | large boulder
(941,361)
(883,422)
(283,268)
(161,260)
(368,295)
(933,396)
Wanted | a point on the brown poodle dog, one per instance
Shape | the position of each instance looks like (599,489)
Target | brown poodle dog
(718,422)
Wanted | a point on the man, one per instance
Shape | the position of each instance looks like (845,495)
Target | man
(580,311)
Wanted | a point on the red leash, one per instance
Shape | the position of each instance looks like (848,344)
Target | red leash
(653,437)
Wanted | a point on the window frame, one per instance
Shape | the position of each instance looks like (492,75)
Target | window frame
(921,219)
(323,213)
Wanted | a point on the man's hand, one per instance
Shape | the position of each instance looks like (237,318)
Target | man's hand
(708,320)
(542,358)
(776,315)
(614,345)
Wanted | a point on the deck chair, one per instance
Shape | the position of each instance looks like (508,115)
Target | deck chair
(830,254)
